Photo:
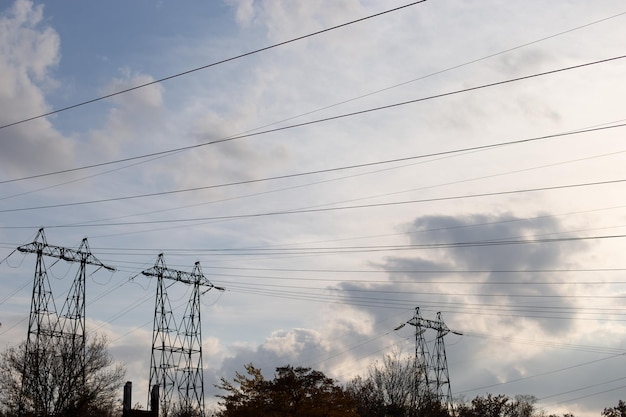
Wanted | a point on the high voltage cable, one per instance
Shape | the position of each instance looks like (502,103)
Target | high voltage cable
(129,250)
(497,242)
(403,282)
(591,395)
(371,302)
(582,389)
(341,116)
(137,87)
(429,272)
(370,93)
(194,251)
(320,210)
(418,271)
(569,346)
(440,71)
(324,291)
(383,248)
(412,282)
(432,74)
(330,294)
(335,169)
(542,374)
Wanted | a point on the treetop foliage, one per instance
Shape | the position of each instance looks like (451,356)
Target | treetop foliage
(299,391)
(56,390)
(387,391)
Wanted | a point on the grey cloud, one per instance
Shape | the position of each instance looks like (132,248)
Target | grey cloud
(280,348)
(530,300)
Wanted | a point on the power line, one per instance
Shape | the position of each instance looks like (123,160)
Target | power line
(554,371)
(450,307)
(224,279)
(363,95)
(385,248)
(432,74)
(252,181)
(195,251)
(322,291)
(327,209)
(341,116)
(592,395)
(582,389)
(548,344)
(137,87)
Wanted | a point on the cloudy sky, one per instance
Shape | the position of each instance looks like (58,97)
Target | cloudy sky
(462,157)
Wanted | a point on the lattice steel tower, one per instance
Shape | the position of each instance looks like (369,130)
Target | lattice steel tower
(432,376)
(176,360)
(48,330)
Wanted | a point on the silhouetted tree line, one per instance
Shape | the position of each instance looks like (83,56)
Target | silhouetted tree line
(387,391)
(54,387)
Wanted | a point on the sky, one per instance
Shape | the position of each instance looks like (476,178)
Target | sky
(460,157)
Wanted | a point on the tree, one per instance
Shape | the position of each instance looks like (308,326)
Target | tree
(618,411)
(368,399)
(393,389)
(500,406)
(300,392)
(54,393)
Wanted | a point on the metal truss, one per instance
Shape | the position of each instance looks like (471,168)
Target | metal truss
(49,330)
(176,360)
(432,379)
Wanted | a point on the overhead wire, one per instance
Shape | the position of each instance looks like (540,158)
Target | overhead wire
(303,185)
(388,88)
(376,248)
(582,389)
(325,204)
(180,74)
(377,291)
(441,306)
(352,99)
(592,395)
(448,69)
(542,374)
(342,116)
(252,181)
(606,350)
(198,251)
(327,209)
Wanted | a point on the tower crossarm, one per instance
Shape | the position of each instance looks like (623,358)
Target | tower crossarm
(439,326)
(191,278)
(82,254)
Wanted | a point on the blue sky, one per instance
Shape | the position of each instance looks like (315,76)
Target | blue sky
(531,278)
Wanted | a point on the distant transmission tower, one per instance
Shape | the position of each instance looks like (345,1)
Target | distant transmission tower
(439,364)
(48,330)
(431,369)
(176,361)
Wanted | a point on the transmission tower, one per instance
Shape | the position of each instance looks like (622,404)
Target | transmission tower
(48,329)
(431,369)
(439,364)
(421,366)
(176,360)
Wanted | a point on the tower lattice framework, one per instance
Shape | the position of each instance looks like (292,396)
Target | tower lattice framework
(432,379)
(49,330)
(176,360)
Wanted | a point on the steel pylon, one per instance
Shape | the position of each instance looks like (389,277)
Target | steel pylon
(49,330)
(176,359)
(432,379)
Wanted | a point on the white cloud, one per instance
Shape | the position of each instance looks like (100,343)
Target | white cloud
(29,52)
